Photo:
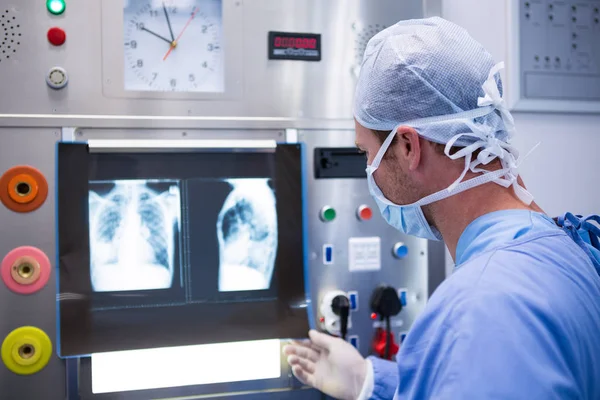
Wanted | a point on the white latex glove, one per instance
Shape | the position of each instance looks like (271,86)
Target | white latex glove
(328,364)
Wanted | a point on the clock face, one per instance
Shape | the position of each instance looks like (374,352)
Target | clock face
(173,45)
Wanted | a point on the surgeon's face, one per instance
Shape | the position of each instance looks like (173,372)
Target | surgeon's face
(392,176)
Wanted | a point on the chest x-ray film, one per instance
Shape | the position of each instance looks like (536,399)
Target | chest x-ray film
(160,249)
(134,231)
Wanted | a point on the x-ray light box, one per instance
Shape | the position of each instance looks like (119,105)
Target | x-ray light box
(166,248)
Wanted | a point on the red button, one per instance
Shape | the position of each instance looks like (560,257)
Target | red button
(364,213)
(57,36)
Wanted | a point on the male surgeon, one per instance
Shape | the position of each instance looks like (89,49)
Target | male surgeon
(520,316)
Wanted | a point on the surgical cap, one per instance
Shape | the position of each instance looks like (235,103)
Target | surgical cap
(419,69)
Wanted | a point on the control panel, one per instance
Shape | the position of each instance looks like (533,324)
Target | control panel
(189,71)
(368,281)
(554,51)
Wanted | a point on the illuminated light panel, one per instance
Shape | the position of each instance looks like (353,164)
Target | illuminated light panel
(177,144)
(185,366)
(56,7)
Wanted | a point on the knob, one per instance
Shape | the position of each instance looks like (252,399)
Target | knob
(400,250)
(327,214)
(364,213)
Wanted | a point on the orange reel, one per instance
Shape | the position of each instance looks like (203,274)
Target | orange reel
(23,189)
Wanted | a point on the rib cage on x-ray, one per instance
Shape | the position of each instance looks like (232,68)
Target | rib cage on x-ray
(132,236)
(247,234)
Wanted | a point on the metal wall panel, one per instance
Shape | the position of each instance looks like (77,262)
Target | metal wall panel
(269,96)
(345,196)
(266,88)
(33,147)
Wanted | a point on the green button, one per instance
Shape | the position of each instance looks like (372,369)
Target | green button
(328,214)
(56,7)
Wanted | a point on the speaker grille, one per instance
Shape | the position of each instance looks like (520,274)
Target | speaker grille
(10,34)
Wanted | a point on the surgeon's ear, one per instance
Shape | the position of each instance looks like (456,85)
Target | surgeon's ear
(408,147)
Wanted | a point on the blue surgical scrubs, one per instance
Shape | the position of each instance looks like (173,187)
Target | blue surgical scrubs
(518,319)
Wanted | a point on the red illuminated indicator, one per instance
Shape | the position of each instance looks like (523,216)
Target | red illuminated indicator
(373,316)
(295,42)
(56,36)
(322,319)
(364,213)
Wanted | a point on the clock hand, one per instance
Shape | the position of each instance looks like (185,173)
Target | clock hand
(157,35)
(174,44)
(168,22)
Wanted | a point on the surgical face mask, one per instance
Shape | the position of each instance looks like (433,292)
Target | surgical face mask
(410,219)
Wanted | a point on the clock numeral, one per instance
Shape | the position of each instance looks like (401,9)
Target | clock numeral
(210,47)
(204,64)
(204,28)
(133,44)
(173,10)
(154,75)
(139,25)
(192,77)
(173,82)
(140,63)
(154,13)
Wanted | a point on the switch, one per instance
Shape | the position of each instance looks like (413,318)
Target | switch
(384,344)
(353,341)
(327,214)
(400,250)
(353,297)
(364,213)
(402,296)
(56,36)
(335,313)
(327,254)
(57,78)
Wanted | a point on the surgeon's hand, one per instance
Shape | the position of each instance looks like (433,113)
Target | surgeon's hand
(328,364)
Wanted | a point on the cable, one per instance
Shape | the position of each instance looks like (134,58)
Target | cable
(344,314)
(388,334)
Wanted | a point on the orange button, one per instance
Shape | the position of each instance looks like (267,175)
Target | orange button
(364,213)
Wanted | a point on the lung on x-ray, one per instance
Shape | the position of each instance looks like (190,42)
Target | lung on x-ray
(247,236)
(134,225)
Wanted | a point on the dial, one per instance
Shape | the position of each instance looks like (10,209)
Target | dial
(173,45)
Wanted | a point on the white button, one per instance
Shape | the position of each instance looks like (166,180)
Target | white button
(57,78)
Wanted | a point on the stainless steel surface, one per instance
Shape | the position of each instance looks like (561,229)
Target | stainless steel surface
(265,98)
(345,196)
(34,147)
(265,88)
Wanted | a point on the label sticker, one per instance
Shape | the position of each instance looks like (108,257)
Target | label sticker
(364,254)
(396,323)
